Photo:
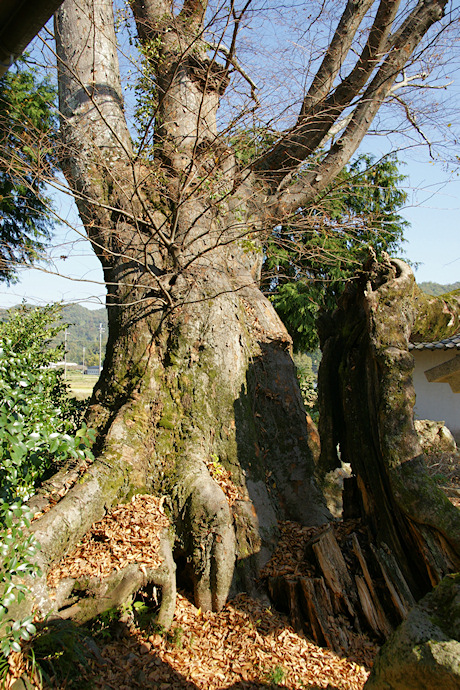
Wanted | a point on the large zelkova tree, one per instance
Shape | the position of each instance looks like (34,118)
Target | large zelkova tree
(198,371)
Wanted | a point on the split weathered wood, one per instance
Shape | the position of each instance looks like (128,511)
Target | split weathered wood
(335,571)
(317,606)
(367,605)
(394,579)
(284,591)
(293,602)
(368,598)
(437,554)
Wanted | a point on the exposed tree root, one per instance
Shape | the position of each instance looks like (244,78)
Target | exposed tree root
(206,530)
(116,590)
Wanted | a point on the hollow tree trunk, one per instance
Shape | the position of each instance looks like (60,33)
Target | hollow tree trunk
(366,402)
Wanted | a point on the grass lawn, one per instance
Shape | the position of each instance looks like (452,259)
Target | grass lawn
(81,385)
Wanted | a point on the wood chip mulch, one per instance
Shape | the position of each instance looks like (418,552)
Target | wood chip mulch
(246,645)
(128,534)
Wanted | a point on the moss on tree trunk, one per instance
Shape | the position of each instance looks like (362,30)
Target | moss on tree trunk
(366,403)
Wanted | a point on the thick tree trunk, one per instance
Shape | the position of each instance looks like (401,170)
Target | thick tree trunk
(211,381)
(367,399)
(198,379)
(184,394)
(198,400)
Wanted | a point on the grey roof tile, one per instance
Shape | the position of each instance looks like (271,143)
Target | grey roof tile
(446,344)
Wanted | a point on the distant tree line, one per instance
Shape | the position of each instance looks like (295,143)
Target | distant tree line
(82,332)
(436,289)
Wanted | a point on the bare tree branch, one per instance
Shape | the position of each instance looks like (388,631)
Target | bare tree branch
(231,60)
(307,134)
(319,112)
(413,29)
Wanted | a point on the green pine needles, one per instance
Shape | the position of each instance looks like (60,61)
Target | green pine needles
(28,129)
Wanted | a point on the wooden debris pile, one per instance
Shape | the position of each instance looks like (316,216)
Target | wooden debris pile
(334,583)
(246,643)
(335,586)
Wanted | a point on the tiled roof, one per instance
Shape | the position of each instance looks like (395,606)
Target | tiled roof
(452,343)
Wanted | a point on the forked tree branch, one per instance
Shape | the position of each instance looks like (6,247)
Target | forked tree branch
(321,109)
(335,55)
(414,28)
(301,142)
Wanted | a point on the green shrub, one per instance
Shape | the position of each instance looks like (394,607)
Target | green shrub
(37,433)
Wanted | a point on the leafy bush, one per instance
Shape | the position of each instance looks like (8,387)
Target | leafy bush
(37,428)
(16,552)
(38,432)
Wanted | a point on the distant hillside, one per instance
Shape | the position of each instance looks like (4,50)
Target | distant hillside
(82,332)
(436,289)
(83,329)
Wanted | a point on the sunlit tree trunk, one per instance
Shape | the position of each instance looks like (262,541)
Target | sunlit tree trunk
(198,373)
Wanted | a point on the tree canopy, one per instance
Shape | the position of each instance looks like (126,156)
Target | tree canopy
(198,401)
(309,261)
(27,141)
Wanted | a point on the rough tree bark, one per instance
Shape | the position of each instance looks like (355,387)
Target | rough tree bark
(366,401)
(198,365)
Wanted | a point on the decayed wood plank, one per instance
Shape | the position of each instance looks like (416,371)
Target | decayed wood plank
(367,605)
(334,569)
(317,606)
(382,625)
(284,591)
(294,607)
(394,579)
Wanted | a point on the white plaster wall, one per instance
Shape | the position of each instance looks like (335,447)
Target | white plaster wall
(435,400)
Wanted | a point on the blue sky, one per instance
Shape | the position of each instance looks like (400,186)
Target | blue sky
(433,241)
